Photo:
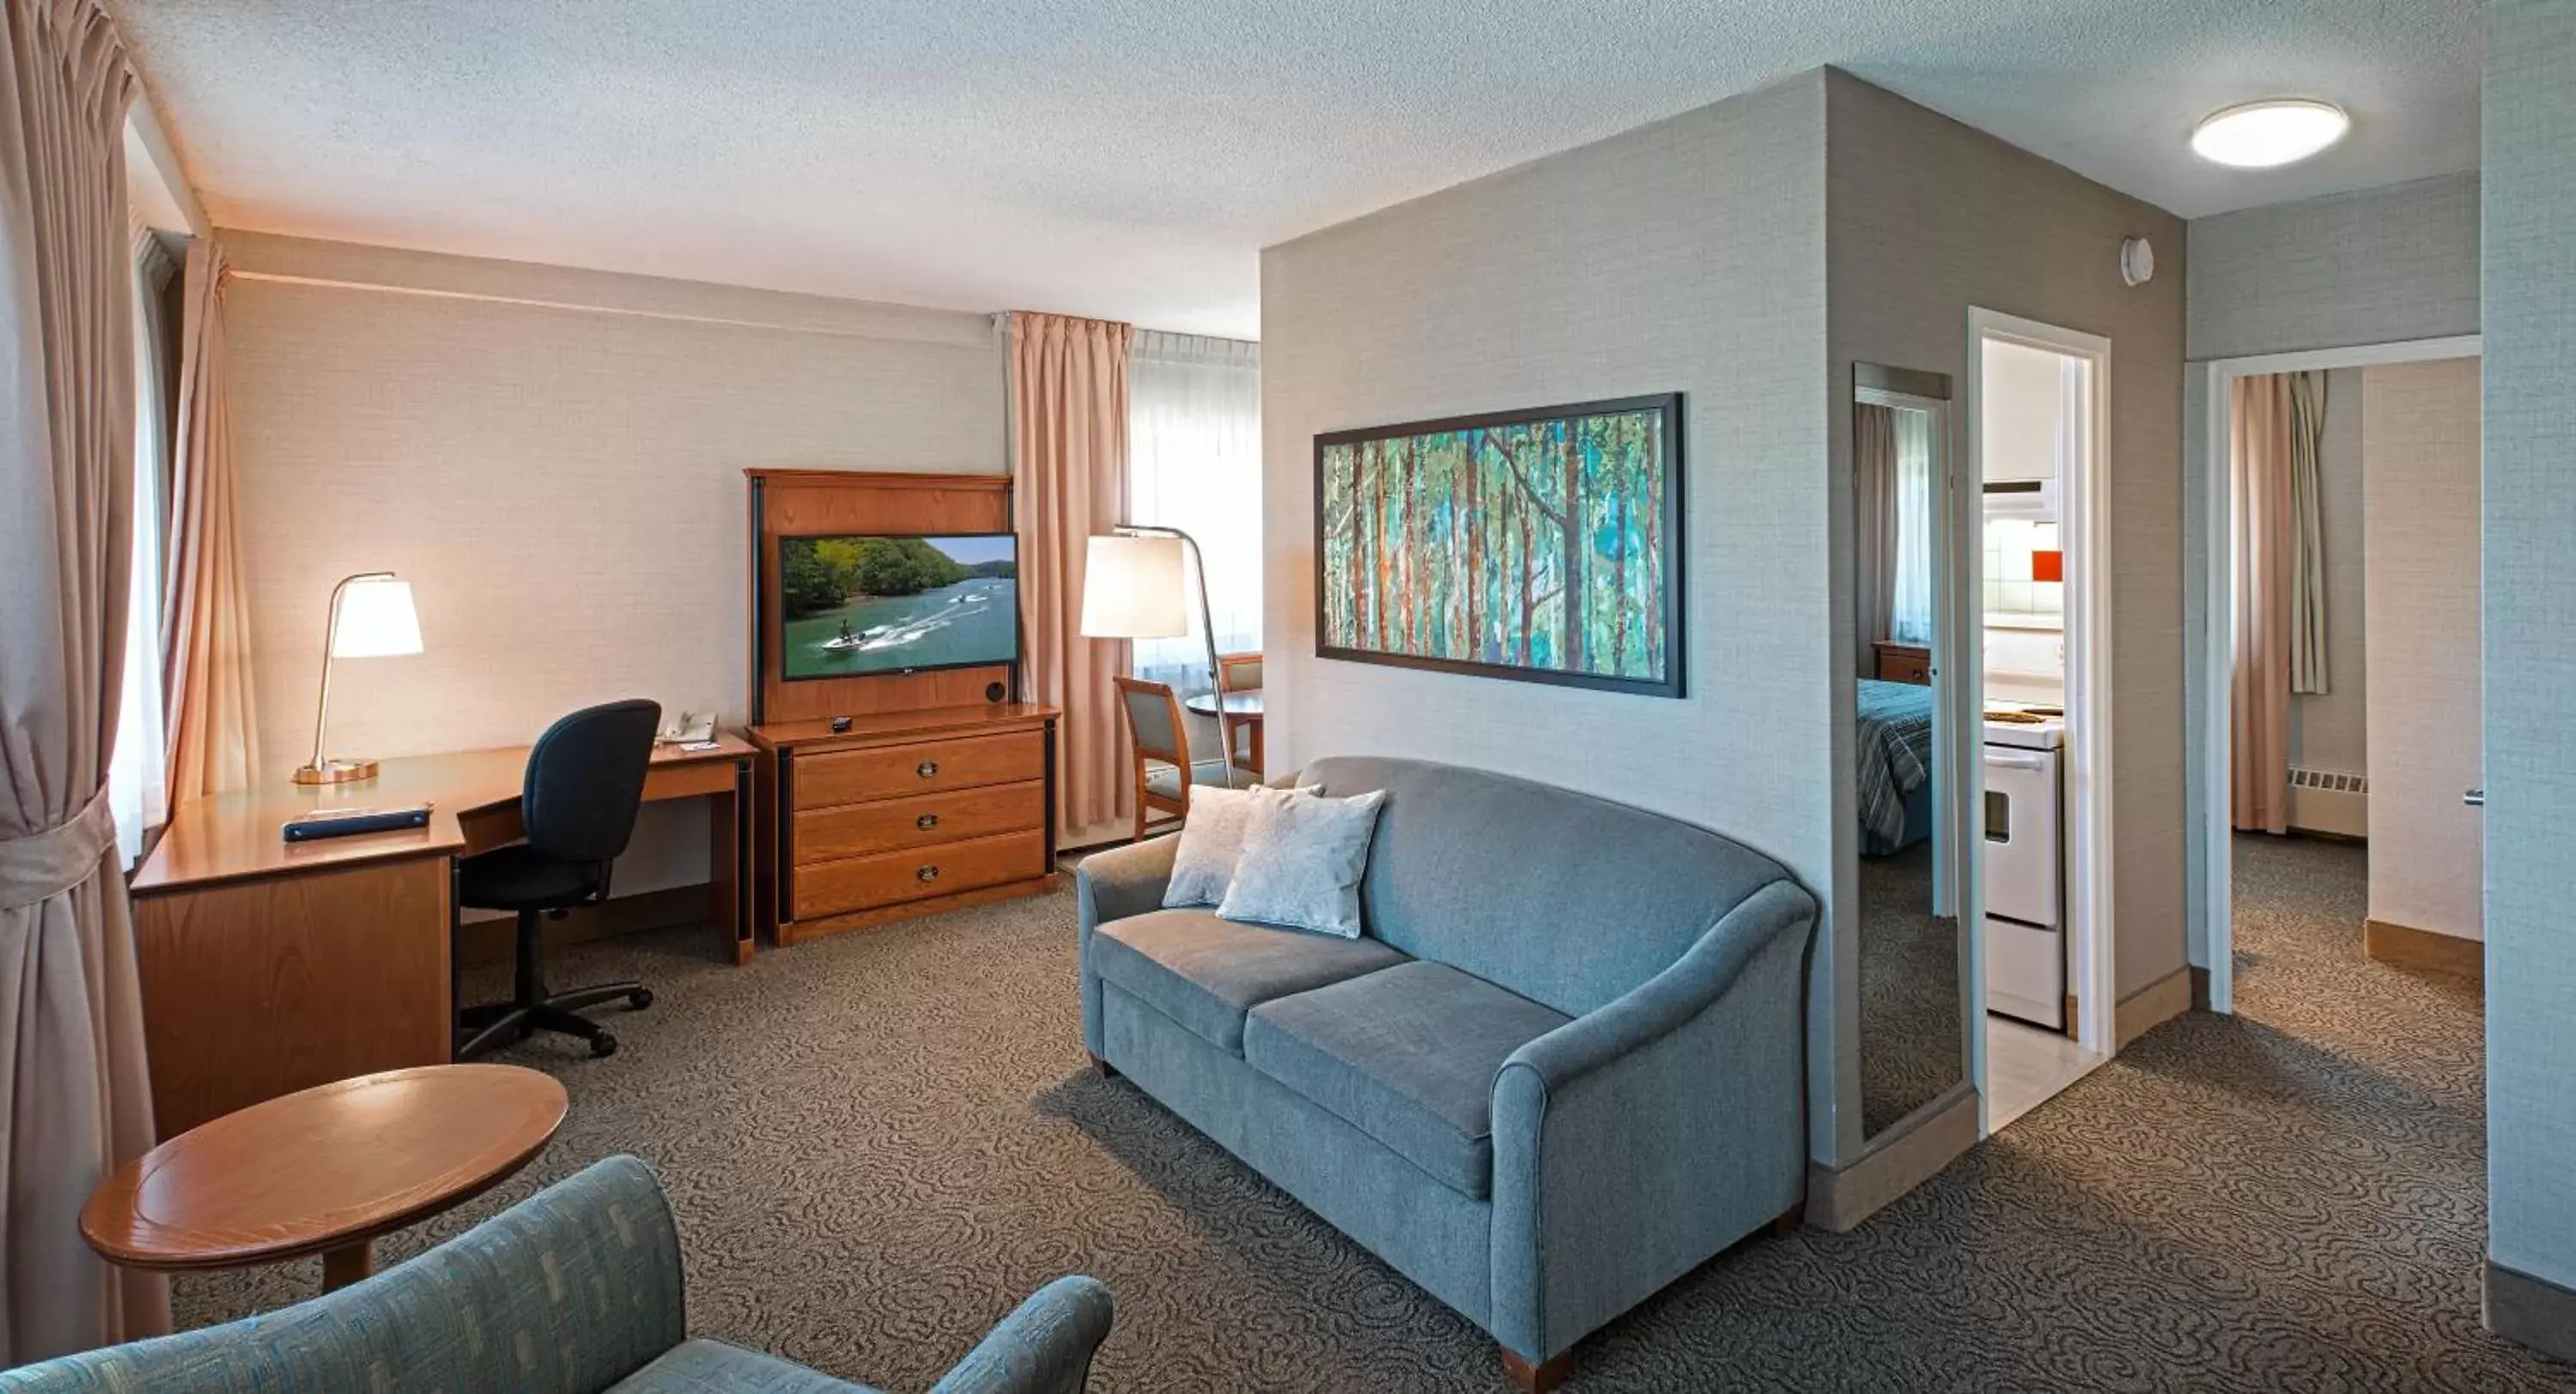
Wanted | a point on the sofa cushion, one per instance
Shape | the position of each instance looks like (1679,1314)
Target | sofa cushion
(1205,973)
(1406,1055)
(720,1367)
(1564,898)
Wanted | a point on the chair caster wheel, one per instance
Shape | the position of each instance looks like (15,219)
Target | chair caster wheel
(639,999)
(602,1046)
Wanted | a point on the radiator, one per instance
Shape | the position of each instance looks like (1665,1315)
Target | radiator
(2330,801)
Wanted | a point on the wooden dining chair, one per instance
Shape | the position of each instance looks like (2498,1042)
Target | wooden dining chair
(1240,672)
(1162,745)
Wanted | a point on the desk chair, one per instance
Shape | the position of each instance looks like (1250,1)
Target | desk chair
(1240,672)
(585,780)
(1163,752)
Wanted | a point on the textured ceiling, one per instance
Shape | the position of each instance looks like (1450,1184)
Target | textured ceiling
(1129,158)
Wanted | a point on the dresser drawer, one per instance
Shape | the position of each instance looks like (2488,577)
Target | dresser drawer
(890,878)
(917,820)
(884,772)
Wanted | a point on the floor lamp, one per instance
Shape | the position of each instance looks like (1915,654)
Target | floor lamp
(1132,588)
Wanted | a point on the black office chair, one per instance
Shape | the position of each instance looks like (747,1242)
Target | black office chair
(585,781)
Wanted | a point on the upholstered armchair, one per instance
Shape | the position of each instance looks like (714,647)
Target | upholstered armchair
(576,1290)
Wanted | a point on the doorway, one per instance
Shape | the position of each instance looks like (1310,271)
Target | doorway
(2039,795)
(2358,726)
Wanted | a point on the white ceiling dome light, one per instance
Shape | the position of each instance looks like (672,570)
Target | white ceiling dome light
(2268,134)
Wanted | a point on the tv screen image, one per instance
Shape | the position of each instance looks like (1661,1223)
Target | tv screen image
(857,605)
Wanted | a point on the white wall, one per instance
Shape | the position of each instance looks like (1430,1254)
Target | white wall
(2420,520)
(2529,516)
(2367,267)
(554,459)
(1685,256)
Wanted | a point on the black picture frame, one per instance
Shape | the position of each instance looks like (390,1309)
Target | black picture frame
(1673,683)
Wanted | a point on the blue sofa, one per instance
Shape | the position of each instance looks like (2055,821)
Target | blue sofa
(576,1290)
(1562,1068)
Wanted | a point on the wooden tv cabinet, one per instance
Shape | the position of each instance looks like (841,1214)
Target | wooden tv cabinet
(906,813)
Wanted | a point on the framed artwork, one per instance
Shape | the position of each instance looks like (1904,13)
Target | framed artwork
(1538,545)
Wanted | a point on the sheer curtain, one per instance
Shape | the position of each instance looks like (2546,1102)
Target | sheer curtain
(137,784)
(1909,610)
(1194,463)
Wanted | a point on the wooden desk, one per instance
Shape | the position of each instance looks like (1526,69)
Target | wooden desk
(269,967)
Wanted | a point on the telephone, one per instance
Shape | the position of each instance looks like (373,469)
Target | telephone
(688,728)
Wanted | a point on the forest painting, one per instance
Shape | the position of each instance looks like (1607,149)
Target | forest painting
(1539,545)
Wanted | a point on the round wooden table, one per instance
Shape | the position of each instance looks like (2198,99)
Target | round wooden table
(324,1171)
(1246,705)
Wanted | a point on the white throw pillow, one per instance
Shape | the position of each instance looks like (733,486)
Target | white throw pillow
(1302,861)
(1211,843)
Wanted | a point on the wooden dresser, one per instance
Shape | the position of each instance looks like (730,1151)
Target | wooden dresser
(906,813)
(1903,662)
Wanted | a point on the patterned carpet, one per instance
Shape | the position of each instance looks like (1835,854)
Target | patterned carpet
(878,1144)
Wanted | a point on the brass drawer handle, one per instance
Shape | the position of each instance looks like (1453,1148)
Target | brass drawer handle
(927,873)
(926,821)
(926,768)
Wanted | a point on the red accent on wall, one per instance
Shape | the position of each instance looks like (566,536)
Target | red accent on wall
(2047,566)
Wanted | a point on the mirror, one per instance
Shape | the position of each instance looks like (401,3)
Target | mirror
(1912,1043)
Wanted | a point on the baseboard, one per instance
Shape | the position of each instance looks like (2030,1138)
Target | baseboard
(482,942)
(1840,1199)
(2404,946)
(2534,1311)
(2200,989)
(2150,1007)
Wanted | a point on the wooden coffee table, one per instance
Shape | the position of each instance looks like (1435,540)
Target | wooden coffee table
(324,1171)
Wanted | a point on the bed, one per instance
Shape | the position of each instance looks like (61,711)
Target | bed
(1895,753)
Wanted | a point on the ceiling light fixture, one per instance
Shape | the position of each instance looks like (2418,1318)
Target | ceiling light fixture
(2267,134)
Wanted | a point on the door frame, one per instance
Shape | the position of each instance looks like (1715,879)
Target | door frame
(2210,640)
(2084,533)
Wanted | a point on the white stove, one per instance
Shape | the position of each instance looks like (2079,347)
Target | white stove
(2025,860)
(2025,727)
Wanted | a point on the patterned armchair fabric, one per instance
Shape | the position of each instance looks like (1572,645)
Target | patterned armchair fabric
(576,1290)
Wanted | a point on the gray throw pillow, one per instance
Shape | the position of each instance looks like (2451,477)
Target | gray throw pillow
(1211,843)
(1303,856)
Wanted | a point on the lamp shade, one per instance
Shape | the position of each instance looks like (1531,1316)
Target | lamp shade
(375,620)
(1132,589)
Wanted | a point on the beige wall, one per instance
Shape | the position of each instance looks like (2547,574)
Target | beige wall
(2420,440)
(1926,218)
(2368,267)
(554,459)
(1685,256)
(2329,730)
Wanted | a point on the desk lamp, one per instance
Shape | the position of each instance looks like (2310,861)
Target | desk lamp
(371,617)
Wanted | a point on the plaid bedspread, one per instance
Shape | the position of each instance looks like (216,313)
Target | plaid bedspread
(1895,751)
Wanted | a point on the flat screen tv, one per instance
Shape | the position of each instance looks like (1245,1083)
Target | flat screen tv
(854,605)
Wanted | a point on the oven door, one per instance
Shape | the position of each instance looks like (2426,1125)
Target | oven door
(2021,845)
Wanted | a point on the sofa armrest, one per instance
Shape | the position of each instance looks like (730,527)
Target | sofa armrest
(1044,1347)
(1661,1004)
(1636,1141)
(1124,881)
(1113,885)
(566,1292)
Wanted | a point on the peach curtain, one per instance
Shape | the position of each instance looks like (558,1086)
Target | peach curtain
(2264,537)
(212,728)
(1069,433)
(75,1097)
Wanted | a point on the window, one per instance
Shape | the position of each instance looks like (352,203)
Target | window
(1909,618)
(1194,463)
(137,784)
